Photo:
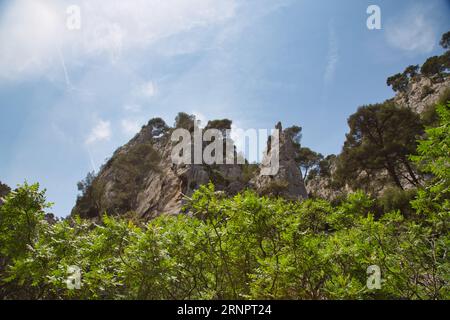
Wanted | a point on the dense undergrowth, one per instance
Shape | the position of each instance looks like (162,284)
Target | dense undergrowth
(245,247)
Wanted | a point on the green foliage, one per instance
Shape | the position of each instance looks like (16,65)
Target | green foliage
(429,116)
(436,66)
(324,168)
(22,212)
(294,133)
(130,168)
(398,82)
(4,189)
(411,71)
(223,124)
(308,160)
(445,40)
(244,247)
(155,127)
(247,247)
(185,121)
(21,224)
(89,203)
(381,137)
(326,164)
(434,159)
(396,199)
(249,171)
(158,123)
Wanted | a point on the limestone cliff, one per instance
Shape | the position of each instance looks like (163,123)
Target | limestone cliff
(420,94)
(141,180)
(288,182)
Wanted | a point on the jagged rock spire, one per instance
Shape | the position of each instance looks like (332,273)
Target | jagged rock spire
(288,182)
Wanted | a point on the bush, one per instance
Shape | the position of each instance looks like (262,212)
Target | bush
(244,247)
(429,116)
(396,199)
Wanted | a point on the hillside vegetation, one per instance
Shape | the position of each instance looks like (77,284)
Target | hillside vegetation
(247,246)
(144,228)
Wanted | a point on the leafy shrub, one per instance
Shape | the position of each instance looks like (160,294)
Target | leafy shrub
(247,246)
(397,199)
(429,116)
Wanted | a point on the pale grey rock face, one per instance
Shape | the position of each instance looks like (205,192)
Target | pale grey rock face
(422,93)
(150,191)
(288,182)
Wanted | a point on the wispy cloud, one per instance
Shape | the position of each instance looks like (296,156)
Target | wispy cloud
(32,31)
(146,90)
(413,32)
(100,132)
(333,55)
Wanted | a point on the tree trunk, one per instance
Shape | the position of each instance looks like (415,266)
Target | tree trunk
(391,170)
(411,172)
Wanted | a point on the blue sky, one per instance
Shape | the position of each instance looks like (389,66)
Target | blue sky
(69,98)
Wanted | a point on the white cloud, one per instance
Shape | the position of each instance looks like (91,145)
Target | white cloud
(333,55)
(147,89)
(28,33)
(412,32)
(32,32)
(130,127)
(100,132)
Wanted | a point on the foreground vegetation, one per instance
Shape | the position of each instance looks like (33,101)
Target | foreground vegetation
(247,247)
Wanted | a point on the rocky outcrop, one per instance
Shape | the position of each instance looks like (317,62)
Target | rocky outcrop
(322,186)
(140,178)
(421,93)
(288,181)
